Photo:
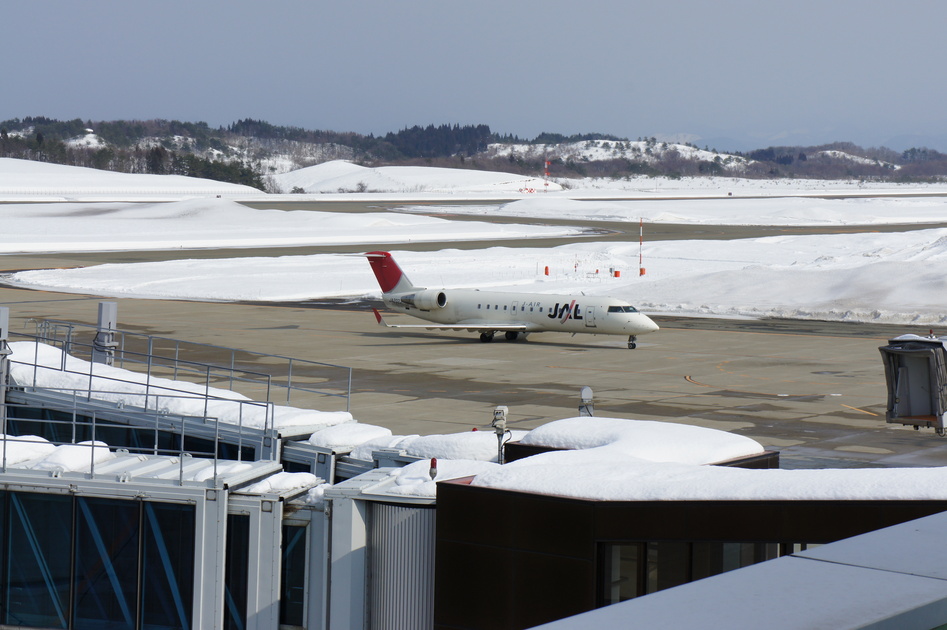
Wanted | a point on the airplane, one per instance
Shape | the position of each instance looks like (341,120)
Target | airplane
(514,314)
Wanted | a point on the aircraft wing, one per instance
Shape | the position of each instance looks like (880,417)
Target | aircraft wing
(469,327)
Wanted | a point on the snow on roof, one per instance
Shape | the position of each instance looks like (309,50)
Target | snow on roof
(469,445)
(609,473)
(40,365)
(645,439)
(282,482)
(415,478)
(345,437)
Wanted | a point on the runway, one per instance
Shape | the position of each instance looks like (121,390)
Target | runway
(813,391)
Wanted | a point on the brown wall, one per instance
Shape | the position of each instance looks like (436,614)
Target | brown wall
(510,560)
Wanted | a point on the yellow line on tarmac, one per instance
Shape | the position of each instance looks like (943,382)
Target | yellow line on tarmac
(861,410)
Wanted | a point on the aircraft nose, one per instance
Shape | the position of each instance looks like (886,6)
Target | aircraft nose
(648,324)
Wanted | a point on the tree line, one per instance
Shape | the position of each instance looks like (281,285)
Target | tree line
(236,153)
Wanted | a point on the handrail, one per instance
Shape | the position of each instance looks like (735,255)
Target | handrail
(63,332)
(48,329)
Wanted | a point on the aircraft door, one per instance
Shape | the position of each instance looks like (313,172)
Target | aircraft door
(590,317)
(513,311)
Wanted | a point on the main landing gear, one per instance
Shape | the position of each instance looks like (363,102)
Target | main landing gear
(511,335)
(632,342)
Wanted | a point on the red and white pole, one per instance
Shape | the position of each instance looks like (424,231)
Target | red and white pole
(641,269)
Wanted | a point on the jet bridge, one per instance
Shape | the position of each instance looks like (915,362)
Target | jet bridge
(916,376)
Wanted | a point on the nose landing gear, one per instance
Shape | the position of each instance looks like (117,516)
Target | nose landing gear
(632,342)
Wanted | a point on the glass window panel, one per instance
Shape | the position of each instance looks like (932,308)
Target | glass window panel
(668,565)
(293,586)
(37,537)
(621,572)
(106,553)
(237,572)
(168,566)
(707,559)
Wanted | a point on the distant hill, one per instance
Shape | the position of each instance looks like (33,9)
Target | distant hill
(253,152)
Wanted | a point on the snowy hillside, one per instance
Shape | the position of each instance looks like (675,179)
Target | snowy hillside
(598,150)
(24,178)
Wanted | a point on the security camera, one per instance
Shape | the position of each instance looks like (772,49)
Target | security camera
(499,417)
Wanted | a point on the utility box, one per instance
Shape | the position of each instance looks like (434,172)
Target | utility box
(916,376)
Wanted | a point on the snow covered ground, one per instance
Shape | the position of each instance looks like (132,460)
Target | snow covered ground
(868,276)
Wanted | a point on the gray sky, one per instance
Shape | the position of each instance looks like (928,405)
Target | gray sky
(761,73)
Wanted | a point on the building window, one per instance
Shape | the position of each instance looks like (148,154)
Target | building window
(237,572)
(82,562)
(37,552)
(292,607)
(167,575)
(628,570)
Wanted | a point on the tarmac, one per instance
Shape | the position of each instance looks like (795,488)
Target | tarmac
(813,391)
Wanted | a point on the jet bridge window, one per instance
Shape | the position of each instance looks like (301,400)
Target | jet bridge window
(89,562)
(622,309)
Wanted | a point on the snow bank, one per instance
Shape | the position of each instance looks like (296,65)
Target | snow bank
(24,178)
(340,177)
(221,223)
(40,365)
(723,211)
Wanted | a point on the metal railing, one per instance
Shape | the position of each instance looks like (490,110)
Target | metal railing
(69,417)
(259,374)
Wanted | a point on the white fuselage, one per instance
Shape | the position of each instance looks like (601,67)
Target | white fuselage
(535,311)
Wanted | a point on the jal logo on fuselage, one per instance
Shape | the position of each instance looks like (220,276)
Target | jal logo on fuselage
(566,311)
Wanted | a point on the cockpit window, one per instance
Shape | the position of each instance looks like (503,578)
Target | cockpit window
(622,309)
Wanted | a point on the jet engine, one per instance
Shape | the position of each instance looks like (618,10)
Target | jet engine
(426,300)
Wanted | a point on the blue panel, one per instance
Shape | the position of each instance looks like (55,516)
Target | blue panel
(168,570)
(37,535)
(292,603)
(106,580)
(237,572)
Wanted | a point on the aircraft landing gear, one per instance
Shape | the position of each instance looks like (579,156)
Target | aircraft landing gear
(512,335)
(486,337)
(632,342)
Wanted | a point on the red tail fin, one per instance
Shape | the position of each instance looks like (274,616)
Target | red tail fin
(388,273)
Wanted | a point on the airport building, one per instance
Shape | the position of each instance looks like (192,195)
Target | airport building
(140,490)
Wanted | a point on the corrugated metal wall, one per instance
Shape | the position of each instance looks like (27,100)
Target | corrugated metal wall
(401,567)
